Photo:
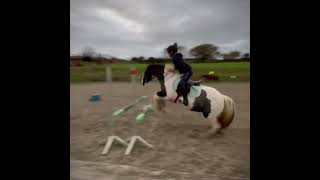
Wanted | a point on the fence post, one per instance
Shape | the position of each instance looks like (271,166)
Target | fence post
(108,74)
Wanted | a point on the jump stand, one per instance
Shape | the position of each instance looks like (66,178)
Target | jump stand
(133,139)
(110,141)
(95,97)
(129,145)
(130,142)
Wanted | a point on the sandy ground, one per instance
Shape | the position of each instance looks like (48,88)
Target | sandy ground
(178,154)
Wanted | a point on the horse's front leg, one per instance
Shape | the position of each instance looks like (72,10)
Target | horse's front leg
(163,91)
(159,102)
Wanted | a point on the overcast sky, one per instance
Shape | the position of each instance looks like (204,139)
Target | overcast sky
(126,28)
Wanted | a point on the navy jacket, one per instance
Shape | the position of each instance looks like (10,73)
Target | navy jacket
(180,64)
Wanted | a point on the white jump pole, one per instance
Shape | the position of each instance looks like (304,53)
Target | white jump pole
(133,79)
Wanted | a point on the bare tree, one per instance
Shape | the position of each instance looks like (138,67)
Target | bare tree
(205,51)
(231,55)
(246,55)
(88,54)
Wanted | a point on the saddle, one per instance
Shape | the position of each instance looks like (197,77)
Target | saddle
(194,87)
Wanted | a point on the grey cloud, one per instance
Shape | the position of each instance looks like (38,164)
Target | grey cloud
(144,27)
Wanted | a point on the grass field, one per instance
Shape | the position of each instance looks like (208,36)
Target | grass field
(120,72)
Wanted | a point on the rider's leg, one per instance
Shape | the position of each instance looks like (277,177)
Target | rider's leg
(185,87)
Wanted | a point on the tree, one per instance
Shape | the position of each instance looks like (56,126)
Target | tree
(88,54)
(231,55)
(141,58)
(218,56)
(134,59)
(205,51)
(246,56)
(235,54)
(151,59)
(181,48)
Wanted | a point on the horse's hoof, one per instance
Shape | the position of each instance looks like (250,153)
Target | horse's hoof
(185,102)
(161,94)
(193,135)
(204,136)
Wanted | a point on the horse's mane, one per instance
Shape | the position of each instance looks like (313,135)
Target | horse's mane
(155,66)
(169,68)
(159,69)
(155,69)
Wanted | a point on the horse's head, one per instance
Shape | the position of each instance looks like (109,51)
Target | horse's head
(153,70)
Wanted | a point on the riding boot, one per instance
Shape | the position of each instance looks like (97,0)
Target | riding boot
(185,95)
(185,100)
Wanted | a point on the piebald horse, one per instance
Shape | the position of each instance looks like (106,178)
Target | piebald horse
(215,106)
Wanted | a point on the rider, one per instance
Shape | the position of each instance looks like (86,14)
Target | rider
(183,68)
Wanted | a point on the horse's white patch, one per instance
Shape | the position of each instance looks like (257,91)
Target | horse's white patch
(142,79)
(216,99)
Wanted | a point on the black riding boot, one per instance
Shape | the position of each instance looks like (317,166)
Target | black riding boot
(185,87)
(185,95)
(185,100)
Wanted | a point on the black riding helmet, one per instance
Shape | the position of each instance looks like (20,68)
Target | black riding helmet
(172,49)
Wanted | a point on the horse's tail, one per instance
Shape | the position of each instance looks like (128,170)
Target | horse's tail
(227,115)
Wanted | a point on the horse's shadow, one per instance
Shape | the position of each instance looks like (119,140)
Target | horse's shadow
(200,134)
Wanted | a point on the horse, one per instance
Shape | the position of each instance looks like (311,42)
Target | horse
(215,106)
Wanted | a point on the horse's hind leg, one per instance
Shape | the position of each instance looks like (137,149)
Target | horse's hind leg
(158,103)
(215,127)
(214,130)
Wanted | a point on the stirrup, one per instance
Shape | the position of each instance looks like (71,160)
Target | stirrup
(194,83)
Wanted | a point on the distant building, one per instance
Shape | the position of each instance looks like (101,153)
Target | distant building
(75,60)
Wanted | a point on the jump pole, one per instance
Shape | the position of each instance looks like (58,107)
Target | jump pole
(133,139)
(124,109)
(146,109)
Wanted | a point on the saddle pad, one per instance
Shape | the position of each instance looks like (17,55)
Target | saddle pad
(195,91)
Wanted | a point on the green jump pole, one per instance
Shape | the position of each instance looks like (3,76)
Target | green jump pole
(124,109)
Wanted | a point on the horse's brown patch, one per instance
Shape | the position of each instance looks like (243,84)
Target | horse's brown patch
(202,104)
(224,119)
